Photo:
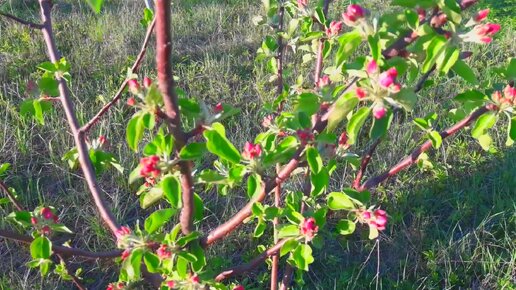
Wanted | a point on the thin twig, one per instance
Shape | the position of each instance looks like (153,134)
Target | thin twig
(412,158)
(134,69)
(11,197)
(75,279)
(82,149)
(21,21)
(66,251)
(244,268)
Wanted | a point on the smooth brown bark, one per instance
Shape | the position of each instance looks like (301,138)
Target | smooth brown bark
(167,87)
(66,101)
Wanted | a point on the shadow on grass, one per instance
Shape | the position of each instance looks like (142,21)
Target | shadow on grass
(449,233)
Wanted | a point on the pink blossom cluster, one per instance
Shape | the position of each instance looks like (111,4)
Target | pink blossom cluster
(116,286)
(251,151)
(508,99)
(149,166)
(48,215)
(376,219)
(164,252)
(308,228)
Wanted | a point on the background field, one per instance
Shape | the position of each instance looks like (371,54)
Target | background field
(450,228)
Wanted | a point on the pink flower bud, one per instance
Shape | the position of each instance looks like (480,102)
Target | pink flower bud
(386,80)
(439,20)
(355,11)
(366,215)
(305,136)
(302,4)
(381,221)
(147,82)
(481,15)
(308,228)
(55,219)
(421,13)
(393,72)
(372,67)
(353,14)
(497,96)
(149,166)
(33,220)
(323,81)
(380,212)
(171,284)
(47,213)
(379,112)
(334,29)
(102,139)
(239,287)
(218,108)
(396,88)
(122,232)
(251,151)
(509,92)
(111,286)
(267,121)
(45,230)
(163,252)
(360,92)
(467,3)
(134,86)
(126,253)
(131,101)
(343,139)
(195,279)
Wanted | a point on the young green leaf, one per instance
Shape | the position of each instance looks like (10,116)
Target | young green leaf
(314,160)
(339,200)
(346,227)
(219,145)
(356,123)
(41,248)
(157,219)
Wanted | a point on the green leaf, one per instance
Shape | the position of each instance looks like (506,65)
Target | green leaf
(182,267)
(314,160)
(151,262)
(288,247)
(303,256)
(436,139)
(151,197)
(198,251)
(307,103)
(259,229)
(339,201)
(198,207)
(348,43)
(470,96)
(147,18)
(96,5)
(219,145)
(254,185)
(49,86)
(485,141)
(4,167)
(345,104)
(187,256)
(511,132)
(360,197)
(434,50)
(172,190)
(41,248)
(355,124)
(346,227)
(319,182)
(465,72)
(485,122)
(381,126)
(407,98)
(448,59)
(193,151)
(134,133)
(132,265)
(157,219)
(288,231)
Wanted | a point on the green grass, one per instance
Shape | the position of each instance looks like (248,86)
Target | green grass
(451,228)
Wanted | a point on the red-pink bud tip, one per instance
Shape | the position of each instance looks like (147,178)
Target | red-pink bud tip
(147,82)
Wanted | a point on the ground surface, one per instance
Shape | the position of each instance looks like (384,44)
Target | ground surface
(451,228)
